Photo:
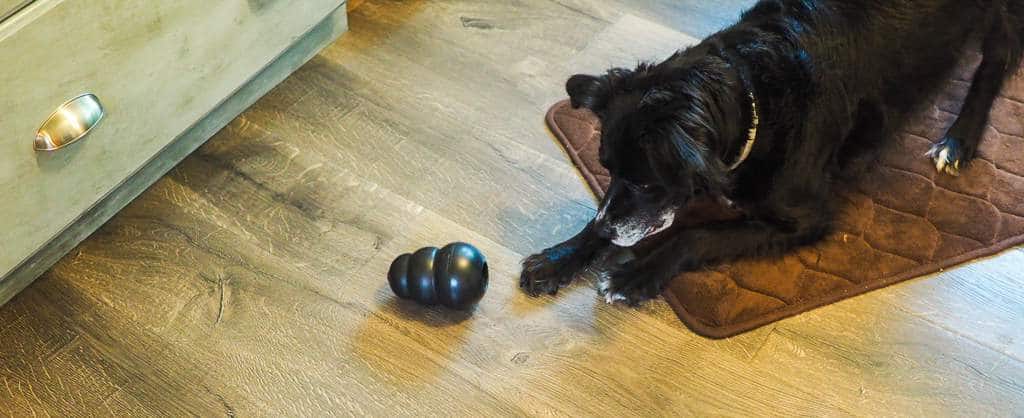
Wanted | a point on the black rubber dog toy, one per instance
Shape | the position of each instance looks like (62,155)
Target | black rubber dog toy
(454,276)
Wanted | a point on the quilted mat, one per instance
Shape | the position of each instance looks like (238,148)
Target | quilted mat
(900,221)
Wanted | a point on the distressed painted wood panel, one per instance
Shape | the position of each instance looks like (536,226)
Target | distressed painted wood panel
(157,67)
(326,31)
(9,7)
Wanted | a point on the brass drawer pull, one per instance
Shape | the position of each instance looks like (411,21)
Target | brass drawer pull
(70,122)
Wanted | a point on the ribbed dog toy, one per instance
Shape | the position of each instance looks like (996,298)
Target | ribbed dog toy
(454,276)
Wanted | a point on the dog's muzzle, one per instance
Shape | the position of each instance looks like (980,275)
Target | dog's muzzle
(627,231)
(630,232)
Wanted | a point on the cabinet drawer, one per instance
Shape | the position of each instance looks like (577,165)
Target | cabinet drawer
(157,67)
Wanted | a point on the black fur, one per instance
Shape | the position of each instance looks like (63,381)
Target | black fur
(832,80)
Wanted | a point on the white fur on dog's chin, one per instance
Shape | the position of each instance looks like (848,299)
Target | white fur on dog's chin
(633,231)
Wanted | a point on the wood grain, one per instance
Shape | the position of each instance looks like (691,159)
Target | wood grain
(250,279)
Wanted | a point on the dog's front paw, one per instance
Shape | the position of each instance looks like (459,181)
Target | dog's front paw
(949,155)
(631,286)
(544,273)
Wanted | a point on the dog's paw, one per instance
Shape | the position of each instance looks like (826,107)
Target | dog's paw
(543,274)
(605,288)
(628,286)
(949,155)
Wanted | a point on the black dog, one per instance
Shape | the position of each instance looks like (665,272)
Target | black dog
(767,114)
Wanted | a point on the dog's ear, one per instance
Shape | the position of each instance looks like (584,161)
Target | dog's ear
(656,98)
(681,160)
(588,91)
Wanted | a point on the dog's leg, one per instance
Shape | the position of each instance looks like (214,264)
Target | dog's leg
(802,219)
(861,149)
(557,266)
(1000,59)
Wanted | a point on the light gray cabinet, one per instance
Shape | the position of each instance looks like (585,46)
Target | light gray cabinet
(157,67)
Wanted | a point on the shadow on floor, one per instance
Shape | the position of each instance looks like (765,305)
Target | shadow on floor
(395,345)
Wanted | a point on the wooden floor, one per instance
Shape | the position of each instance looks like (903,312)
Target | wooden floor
(251,280)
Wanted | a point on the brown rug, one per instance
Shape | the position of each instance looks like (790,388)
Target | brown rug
(902,221)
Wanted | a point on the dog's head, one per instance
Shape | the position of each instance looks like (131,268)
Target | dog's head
(661,136)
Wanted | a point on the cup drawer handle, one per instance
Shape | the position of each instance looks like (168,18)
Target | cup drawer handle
(71,122)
